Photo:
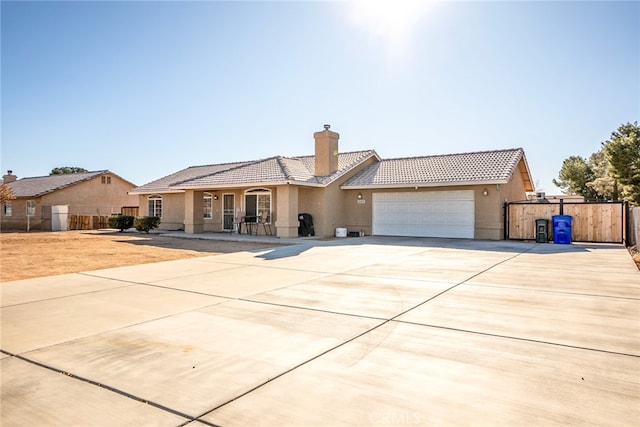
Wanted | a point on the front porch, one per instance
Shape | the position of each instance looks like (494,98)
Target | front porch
(260,211)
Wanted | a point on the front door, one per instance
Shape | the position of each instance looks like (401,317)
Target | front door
(228,210)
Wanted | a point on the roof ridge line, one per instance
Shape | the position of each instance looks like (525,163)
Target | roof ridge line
(63,174)
(340,153)
(456,154)
(283,167)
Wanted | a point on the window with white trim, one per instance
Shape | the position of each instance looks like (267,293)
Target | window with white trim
(155,205)
(31,208)
(207,206)
(6,209)
(258,202)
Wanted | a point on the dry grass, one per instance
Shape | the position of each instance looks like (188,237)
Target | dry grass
(38,254)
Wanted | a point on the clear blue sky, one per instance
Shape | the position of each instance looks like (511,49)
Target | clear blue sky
(147,88)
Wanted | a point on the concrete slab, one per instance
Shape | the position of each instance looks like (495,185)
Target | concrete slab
(578,320)
(436,264)
(580,268)
(292,347)
(43,288)
(147,273)
(27,327)
(35,396)
(320,263)
(414,375)
(330,257)
(545,276)
(356,295)
(195,361)
(239,282)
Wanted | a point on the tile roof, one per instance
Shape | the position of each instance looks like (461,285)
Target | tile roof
(270,171)
(41,185)
(450,169)
(164,184)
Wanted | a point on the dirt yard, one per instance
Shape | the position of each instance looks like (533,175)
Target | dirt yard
(37,254)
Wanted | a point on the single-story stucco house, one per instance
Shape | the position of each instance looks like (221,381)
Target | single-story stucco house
(455,195)
(40,199)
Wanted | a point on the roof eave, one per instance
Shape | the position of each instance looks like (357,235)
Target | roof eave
(228,185)
(158,191)
(423,184)
(529,181)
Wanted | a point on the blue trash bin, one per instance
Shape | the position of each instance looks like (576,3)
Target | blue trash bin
(561,229)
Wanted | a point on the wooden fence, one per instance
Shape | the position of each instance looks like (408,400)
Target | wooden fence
(129,210)
(592,222)
(88,222)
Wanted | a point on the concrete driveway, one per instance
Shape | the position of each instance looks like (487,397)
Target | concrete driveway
(362,331)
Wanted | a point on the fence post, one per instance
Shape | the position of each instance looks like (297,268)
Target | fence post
(625,223)
(505,224)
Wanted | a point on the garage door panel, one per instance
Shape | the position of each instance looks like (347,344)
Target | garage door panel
(424,214)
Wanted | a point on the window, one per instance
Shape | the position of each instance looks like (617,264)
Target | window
(155,206)
(258,202)
(6,209)
(106,180)
(208,206)
(31,208)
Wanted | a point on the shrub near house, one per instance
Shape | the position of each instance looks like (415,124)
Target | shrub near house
(121,222)
(146,223)
(141,223)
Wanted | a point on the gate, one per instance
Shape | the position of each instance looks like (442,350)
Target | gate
(592,222)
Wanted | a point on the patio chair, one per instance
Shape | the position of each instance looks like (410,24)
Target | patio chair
(262,219)
(236,225)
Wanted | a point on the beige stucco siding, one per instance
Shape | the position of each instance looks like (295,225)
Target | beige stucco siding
(490,209)
(89,198)
(93,197)
(175,206)
(172,210)
(332,207)
(18,218)
(489,216)
(337,204)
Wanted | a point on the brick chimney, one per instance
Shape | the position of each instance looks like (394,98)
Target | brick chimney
(9,177)
(326,151)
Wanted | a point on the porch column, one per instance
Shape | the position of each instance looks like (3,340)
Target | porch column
(193,212)
(287,211)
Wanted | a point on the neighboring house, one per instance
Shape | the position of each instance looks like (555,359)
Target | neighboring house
(456,195)
(90,194)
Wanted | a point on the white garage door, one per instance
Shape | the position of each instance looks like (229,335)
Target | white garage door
(424,214)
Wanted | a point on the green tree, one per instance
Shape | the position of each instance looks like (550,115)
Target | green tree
(622,150)
(605,185)
(67,170)
(574,176)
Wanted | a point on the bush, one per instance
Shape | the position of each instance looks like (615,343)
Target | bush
(121,222)
(146,223)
